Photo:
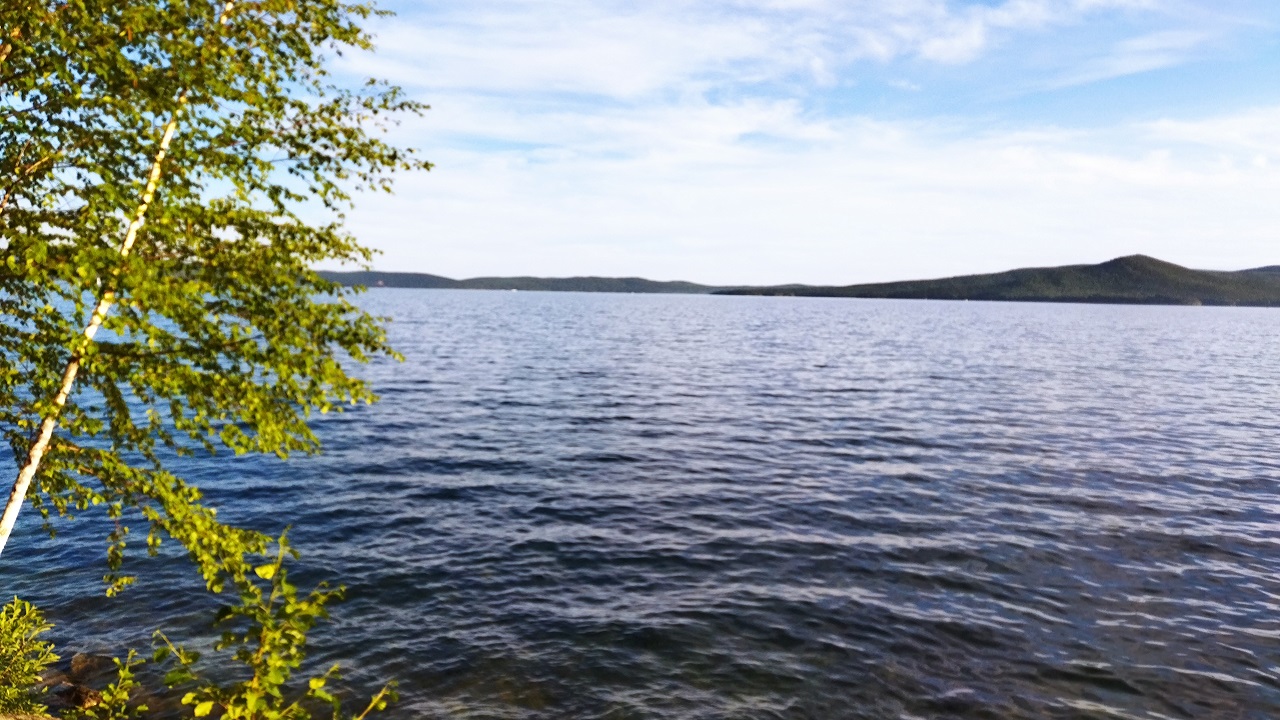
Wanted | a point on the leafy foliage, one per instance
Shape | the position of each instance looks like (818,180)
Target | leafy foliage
(266,633)
(169,174)
(115,701)
(23,656)
(172,171)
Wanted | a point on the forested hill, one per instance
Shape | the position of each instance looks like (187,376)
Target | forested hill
(572,284)
(1136,279)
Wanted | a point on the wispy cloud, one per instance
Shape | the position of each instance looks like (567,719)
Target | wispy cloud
(1154,51)
(689,193)
(1255,131)
(630,50)
(740,140)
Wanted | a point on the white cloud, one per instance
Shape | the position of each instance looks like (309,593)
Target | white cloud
(682,139)
(1154,51)
(1255,130)
(687,193)
(631,50)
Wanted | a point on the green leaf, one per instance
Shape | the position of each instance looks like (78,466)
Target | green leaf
(149,232)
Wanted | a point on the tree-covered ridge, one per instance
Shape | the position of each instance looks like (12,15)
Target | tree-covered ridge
(569,284)
(1135,279)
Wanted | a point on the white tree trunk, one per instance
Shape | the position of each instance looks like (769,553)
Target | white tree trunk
(23,482)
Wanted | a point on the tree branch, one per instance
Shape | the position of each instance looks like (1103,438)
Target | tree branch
(50,421)
(23,482)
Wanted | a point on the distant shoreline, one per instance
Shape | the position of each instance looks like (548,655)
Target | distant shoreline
(373,278)
(1131,280)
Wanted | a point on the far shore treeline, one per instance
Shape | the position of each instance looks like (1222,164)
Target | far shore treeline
(1135,279)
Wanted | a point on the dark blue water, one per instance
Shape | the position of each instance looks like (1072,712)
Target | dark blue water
(637,506)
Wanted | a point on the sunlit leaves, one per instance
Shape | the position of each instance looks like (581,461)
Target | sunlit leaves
(265,631)
(24,656)
(220,338)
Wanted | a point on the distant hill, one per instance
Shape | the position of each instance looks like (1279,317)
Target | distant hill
(1136,279)
(370,278)
(572,284)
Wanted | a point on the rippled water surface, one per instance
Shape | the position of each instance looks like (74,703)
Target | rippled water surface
(639,506)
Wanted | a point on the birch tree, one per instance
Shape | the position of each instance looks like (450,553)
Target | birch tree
(163,164)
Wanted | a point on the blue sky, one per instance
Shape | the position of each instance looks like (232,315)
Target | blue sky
(825,141)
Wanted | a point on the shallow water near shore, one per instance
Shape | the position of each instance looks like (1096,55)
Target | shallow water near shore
(644,506)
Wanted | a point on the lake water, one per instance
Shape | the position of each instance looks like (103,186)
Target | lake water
(641,506)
